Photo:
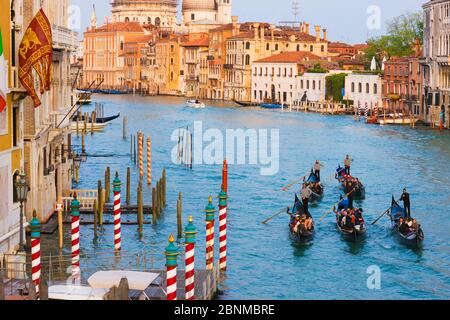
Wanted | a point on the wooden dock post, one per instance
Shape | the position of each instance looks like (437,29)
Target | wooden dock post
(85,122)
(96,208)
(107,185)
(59,209)
(83,132)
(164,180)
(154,206)
(134,142)
(125,128)
(179,216)
(78,128)
(100,202)
(158,199)
(141,155)
(140,212)
(2,289)
(92,123)
(128,192)
(131,148)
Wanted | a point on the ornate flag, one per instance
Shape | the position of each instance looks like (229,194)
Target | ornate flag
(4,80)
(35,54)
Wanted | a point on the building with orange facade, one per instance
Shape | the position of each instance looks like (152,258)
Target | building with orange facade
(104,54)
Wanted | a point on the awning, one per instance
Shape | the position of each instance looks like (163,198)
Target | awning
(136,280)
(73,292)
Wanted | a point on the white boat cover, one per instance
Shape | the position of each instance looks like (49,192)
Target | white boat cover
(73,292)
(136,280)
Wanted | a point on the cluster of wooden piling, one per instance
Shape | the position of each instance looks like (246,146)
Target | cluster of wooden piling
(185,155)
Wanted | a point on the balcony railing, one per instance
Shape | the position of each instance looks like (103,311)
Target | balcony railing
(228,66)
(64,38)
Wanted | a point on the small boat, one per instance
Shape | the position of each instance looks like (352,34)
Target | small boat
(83,97)
(412,237)
(317,192)
(97,120)
(357,232)
(271,106)
(302,234)
(246,104)
(96,127)
(360,189)
(196,104)
(396,119)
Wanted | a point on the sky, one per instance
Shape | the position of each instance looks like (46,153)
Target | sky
(351,21)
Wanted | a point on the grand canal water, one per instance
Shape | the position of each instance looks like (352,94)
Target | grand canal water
(263,263)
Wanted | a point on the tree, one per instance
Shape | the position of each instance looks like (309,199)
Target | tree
(317,69)
(402,33)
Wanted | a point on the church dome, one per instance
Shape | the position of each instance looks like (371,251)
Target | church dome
(199,5)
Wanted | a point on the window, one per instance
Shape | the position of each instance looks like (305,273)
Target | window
(360,87)
(367,88)
(192,16)
(307,84)
(353,87)
(247,60)
(247,46)
(268,47)
(298,47)
(15,180)
(311,48)
(375,88)
(158,21)
(301,84)
(276,47)
(314,84)
(322,48)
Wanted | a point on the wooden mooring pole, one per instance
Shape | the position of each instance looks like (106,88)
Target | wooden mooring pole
(107,185)
(180,216)
(125,128)
(154,206)
(140,212)
(100,202)
(128,192)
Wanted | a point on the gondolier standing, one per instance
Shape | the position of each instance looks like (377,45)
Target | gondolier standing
(306,194)
(406,203)
(347,163)
(317,167)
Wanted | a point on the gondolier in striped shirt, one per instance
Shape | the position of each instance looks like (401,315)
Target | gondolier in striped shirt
(347,163)
(306,193)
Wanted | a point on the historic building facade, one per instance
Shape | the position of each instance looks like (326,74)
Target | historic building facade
(436,62)
(161,13)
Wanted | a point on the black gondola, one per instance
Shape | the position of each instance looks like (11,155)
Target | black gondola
(302,234)
(317,192)
(355,233)
(98,120)
(413,236)
(246,104)
(360,189)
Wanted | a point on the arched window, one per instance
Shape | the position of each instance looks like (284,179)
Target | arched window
(360,87)
(367,88)
(268,47)
(158,21)
(314,84)
(247,46)
(247,60)
(322,48)
(276,47)
(375,88)
(353,87)
(311,48)
(127,19)
(149,20)
(298,47)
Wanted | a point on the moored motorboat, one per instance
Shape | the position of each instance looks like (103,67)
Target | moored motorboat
(271,106)
(298,224)
(411,235)
(196,104)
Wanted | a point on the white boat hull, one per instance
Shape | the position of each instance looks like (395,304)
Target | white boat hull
(195,105)
(405,121)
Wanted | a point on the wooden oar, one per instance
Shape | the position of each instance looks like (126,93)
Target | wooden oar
(380,217)
(340,201)
(268,219)
(291,184)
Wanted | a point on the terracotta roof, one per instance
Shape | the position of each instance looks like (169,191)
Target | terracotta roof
(290,57)
(203,42)
(339,45)
(361,46)
(139,38)
(224,27)
(118,26)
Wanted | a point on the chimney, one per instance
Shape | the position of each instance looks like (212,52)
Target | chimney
(234,23)
(317,28)
(256,30)
(324,34)
(306,28)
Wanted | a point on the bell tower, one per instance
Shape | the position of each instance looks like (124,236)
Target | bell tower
(224,11)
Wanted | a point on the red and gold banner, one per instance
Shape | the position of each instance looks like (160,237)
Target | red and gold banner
(35,53)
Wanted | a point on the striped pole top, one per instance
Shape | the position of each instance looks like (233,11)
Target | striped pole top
(75,207)
(190,232)
(35,227)
(210,210)
(116,183)
(171,253)
(223,198)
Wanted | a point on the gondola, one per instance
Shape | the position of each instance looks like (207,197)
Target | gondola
(413,237)
(316,196)
(271,106)
(360,189)
(302,235)
(353,234)
(246,104)
(98,120)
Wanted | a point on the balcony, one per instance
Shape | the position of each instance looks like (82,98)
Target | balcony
(192,77)
(64,39)
(210,58)
(228,66)
(443,60)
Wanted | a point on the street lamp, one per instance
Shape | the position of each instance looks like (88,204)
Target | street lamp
(22,189)
(76,163)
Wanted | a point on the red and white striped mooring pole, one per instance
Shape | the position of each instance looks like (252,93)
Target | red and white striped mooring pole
(189,234)
(35,252)
(223,208)
(171,265)
(117,214)
(75,209)
(210,211)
